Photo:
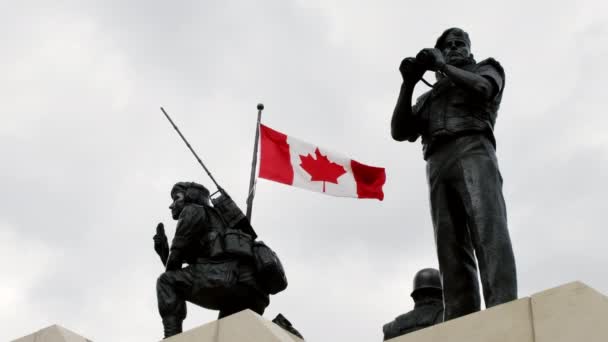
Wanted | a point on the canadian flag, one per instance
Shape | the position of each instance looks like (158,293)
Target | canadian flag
(290,161)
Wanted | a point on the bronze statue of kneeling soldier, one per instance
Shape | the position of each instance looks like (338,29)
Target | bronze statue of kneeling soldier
(227,270)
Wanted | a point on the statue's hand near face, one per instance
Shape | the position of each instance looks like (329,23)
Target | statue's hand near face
(411,71)
(431,58)
(161,245)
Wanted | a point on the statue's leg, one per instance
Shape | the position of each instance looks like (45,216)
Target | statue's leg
(454,248)
(482,194)
(171,288)
(244,297)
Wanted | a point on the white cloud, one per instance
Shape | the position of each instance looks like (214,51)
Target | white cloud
(67,66)
(25,263)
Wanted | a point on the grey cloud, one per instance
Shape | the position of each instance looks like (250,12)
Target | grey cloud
(88,159)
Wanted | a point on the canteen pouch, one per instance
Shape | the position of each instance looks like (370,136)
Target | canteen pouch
(238,243)
(270,273)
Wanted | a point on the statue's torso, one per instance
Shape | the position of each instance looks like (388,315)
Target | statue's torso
(201,229)
(449,110)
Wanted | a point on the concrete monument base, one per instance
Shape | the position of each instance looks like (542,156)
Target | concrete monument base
(53,333)
(243,326)
(569,313)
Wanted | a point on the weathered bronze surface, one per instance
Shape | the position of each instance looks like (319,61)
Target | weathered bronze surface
(455,120)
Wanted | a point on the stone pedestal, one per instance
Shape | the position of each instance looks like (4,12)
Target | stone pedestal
(243,326)
(570,313)
(54,333)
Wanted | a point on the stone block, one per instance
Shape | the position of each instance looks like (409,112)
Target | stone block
(53,333)
(242,326)
(572,312)
(509,322)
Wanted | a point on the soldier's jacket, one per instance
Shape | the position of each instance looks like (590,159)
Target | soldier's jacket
(203,237)
(425,314)
(221,270)
(197,229)
(449,110)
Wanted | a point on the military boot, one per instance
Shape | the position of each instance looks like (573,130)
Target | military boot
(172,326)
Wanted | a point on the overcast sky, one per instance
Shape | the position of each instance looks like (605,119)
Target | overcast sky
(87,159)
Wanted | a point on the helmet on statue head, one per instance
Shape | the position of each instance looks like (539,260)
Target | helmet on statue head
(193,192)
(427,278)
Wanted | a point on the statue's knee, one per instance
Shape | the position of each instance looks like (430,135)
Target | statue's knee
(164,279)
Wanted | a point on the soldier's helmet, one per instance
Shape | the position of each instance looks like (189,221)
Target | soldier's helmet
(193,192)
(427,278)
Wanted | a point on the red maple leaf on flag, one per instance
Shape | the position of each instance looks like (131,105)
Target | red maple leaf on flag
(321,169)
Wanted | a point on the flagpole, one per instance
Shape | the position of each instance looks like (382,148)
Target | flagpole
(252,179)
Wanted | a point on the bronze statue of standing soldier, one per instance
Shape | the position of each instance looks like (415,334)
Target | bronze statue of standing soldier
(455,120)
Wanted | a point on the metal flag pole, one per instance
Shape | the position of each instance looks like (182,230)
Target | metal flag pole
(191,150)
(252,179)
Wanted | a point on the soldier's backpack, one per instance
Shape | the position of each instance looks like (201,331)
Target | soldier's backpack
(270,272)
(232,214)
(222,239)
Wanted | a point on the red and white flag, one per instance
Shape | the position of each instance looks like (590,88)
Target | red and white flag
(290,161)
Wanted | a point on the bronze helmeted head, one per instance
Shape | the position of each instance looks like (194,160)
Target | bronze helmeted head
(193,192)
